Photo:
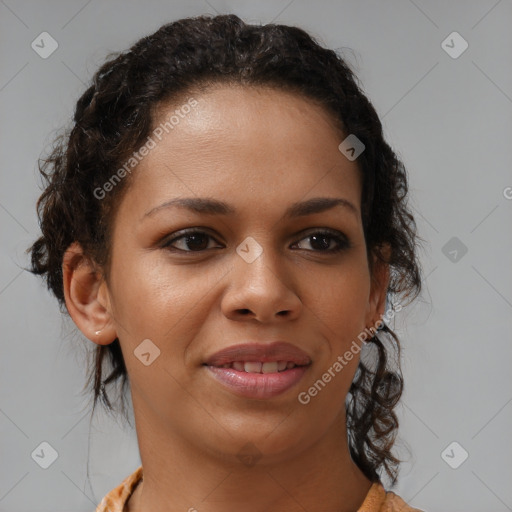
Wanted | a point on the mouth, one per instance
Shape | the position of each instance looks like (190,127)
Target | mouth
(259,366)
(278,352)
(259,371)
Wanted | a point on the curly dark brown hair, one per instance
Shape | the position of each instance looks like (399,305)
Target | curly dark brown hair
(113,118)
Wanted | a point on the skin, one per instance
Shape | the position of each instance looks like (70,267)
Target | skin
(259,150)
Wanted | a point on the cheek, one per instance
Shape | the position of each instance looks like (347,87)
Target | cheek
(339,314)
(158,301)
(339,318)
(341,298)
(154,298)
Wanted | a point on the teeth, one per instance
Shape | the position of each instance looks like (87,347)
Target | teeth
(253,367)
(269,367)
(238,365)
(258,367)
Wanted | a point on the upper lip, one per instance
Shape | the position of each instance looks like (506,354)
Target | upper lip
(276,351)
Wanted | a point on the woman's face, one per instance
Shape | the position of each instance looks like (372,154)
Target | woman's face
(250,274)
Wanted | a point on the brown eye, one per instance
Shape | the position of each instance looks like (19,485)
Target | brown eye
(191,241)
(322,241)
(194,240)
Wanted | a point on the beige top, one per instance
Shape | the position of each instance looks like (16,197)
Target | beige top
(377,499)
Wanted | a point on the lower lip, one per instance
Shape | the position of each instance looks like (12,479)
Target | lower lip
(258,385)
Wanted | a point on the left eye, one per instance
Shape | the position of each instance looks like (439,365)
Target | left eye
(323,239)
(195,241)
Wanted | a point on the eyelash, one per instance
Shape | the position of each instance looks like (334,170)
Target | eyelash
(340,238)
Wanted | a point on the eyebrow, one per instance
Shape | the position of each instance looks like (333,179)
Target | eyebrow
(215,207)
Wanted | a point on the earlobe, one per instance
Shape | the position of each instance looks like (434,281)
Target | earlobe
(85,294)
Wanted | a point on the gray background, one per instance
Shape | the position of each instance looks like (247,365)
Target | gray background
(448,118)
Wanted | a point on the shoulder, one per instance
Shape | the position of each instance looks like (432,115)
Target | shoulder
(394,503)
(380,500)
(115,500)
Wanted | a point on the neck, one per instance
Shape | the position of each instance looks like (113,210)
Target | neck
(181,477)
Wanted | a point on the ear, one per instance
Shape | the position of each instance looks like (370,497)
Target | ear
(378,289)
(87,297)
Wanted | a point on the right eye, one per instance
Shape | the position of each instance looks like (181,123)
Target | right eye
(194,239)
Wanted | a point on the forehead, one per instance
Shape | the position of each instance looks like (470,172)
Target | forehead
(242,142)
(238,114)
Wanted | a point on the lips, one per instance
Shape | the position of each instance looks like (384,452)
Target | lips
(277,352)
(258,371)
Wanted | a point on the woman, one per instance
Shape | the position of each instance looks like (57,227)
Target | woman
(257,375)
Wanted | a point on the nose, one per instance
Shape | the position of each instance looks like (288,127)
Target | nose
(261,290)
